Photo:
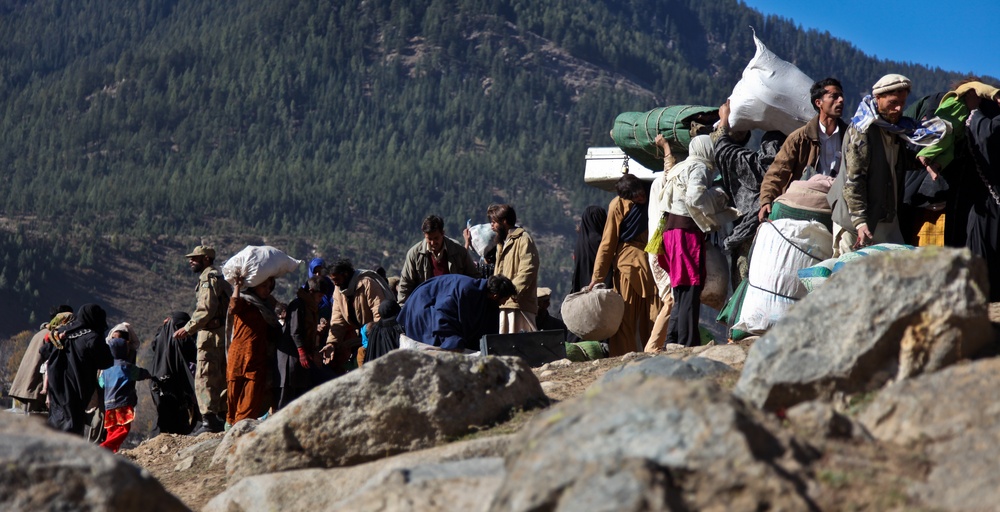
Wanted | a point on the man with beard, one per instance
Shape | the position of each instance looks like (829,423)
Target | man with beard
(356,301)
(517,260)
(813,149)
(869,187)
(208,322)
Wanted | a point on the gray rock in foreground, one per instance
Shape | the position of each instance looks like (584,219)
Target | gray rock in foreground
(405,401)
(883,317)
(320,489)
(653,444)
(47,470)
(956,415)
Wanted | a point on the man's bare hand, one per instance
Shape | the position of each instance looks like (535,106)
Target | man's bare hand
(724,115)
(864,236)
(180,333)
(764,213)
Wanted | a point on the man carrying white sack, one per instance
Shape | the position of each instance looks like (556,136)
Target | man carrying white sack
(866,195)
(813,149)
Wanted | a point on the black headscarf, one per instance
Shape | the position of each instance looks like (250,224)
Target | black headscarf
(588,241)
(383,336)
(635,223)
(89,316)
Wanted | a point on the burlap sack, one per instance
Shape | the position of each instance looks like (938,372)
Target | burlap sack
(594,314)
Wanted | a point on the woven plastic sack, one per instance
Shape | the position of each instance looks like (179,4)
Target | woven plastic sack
(780,250)
(258,263)
(593,314)
(772,95)
(812,277)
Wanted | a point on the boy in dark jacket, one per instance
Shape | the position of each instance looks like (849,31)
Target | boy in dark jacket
(120,399)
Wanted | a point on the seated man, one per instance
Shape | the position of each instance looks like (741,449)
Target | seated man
(543,319)
(453,311)
(436,255)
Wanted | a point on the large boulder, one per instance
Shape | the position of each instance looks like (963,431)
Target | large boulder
(651,443)
(885,317)
(48,470)
(404,401)
(955,415)
(409,473)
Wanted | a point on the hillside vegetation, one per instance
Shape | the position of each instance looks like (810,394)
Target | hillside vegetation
(131,130)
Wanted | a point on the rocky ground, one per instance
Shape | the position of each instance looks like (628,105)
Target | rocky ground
(890,410)
(852,475)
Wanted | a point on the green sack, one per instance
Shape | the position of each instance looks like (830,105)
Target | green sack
(635,132)
(730,313)
(584,351)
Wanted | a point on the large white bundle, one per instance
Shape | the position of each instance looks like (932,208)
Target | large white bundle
(781,249)
(593,315)
(772,95)
(483,238)
(257,263)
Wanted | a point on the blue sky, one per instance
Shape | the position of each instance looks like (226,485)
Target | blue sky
(955,35)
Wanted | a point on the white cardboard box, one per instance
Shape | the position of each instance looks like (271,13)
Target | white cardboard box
(604,168)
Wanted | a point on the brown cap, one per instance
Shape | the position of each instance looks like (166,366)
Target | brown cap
(891,82)
(202,250)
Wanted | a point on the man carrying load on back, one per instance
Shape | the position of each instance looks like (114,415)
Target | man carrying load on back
(209,322)
(813,149)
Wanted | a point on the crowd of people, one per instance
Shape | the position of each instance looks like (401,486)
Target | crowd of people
(241,354)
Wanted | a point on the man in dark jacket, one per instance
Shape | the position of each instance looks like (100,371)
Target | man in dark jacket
(436,255)
(72,360)
(453,311)
(742,170)
(298,352)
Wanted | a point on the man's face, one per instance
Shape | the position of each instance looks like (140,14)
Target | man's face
(641,198)
(832,102)
(339,279)
(197,263)
(890,105)
(500,228)
(435,241)
(319,271)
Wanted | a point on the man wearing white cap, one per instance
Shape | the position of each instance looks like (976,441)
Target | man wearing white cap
(869,186)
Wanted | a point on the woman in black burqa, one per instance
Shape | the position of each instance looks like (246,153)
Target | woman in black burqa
(73,359)
(588,240)
(173,367)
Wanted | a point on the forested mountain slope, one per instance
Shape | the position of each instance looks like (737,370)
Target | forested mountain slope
(128,127)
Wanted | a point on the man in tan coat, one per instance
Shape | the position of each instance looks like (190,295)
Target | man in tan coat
(356,299)
(209,323)
(517,260)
